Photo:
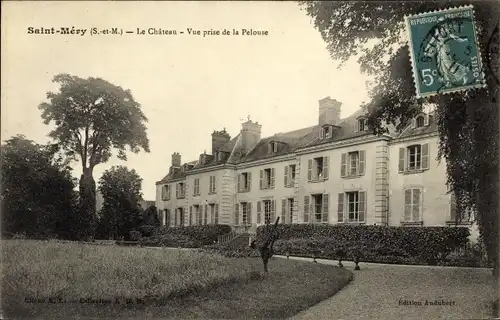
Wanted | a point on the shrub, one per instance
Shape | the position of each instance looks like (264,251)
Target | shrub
(186,236)
(422,245)
(135,235)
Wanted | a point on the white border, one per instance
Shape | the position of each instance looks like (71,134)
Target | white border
(412,58)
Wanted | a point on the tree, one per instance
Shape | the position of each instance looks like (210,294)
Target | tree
(92,117)
(467,122)
(150,217)
(38,194)
(121,211)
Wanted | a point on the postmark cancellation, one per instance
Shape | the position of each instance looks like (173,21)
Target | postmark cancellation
(444,51)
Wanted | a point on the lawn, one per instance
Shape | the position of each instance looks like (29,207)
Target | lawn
(54,280)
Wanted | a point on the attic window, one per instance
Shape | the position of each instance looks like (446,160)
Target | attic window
(220,156)
(362,125)
(273,147)
(326,132)
(420,121)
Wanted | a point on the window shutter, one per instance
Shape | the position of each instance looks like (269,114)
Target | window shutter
(283,210)
(366,124)
(273,211)
(306,208)
(417,216)
(402,154)
(249,181)
(272,177)
(309,169)
(200,217)
(321,133)
(175,217)
(205,217)
(356,127)
(236,214)
(249,212)
(261,178)
(340,208)
(286,176)
(325,207)
(216,214)
(408,206)
(453,208)
(239,182)
(426,120)
(413,123)
(425,156)
(362,206)
(361,168)
(343,165)
(190,215)
(259,211)
(326,161)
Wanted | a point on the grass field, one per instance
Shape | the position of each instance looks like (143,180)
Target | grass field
(54,280)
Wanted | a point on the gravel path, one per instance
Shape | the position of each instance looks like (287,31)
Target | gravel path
(395,292)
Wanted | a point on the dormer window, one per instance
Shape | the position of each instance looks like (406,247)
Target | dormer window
(362,125)
(420,121)
(326,132)
(220,156)
(273,147)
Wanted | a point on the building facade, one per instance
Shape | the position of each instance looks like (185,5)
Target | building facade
(335,172)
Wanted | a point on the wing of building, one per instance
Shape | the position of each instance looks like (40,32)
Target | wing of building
(334,172)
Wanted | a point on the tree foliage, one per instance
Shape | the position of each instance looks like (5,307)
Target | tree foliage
(150,217)
(38,197)
(92,117)
(121,211)
(467,122)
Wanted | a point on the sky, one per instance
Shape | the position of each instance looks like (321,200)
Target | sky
(188,85)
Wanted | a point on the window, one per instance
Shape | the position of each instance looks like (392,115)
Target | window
(179,217)
(214,213)
(196,191)
(413,205)
(420,121)
(352,207)
(244,182)
(290,211)
(165,192)
(167,218)
(205,215)
(290,176)
(180,190)
(318,169)
(268,211)
(267,178)
(352,164)
(273,147)
(220,156)
(198,214)
(414,158)
(362,125)
(326,132)
(246,211)
(211,189)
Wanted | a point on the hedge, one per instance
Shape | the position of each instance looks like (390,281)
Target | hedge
(185,236)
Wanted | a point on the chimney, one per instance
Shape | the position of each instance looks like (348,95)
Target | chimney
(219,138)
(176,160)
(250,134)
(329,111)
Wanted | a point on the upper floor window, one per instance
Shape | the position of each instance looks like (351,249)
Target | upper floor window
(220,156)
(180,191)
(326,131)
(273,147)
(290,175)
(211,188)
(414,158)
(362,125)
(352,164)
(318,169)
(165,192)
(413,205)
(267,178)
(244,181)
(196,190)
(351,207)
(421,120)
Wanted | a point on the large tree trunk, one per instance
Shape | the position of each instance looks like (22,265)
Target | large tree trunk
(87,205)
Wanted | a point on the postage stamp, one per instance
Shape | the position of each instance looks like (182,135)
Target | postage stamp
(444,51)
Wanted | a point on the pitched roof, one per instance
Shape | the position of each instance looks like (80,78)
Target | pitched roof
(291,141)
(415,131)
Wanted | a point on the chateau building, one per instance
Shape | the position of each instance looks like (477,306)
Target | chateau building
(334,172)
